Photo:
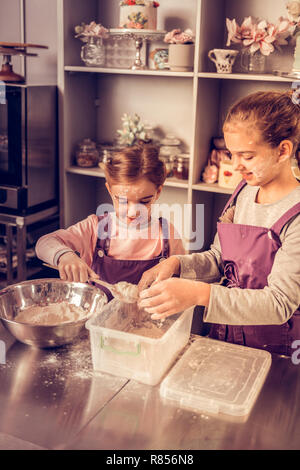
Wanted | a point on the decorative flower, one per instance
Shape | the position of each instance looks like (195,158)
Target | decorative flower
(132,130)
(259,36)
(136,21)
(176,36)
(92,29)
(146,3)
(293,9)
(210,174)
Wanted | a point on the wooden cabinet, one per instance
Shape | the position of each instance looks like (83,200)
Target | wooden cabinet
(190,105)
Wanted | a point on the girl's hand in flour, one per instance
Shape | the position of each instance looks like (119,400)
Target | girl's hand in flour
(161,271)
(173,296)
(74,269)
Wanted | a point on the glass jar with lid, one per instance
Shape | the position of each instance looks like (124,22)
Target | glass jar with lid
(87,154)
(169,149)
(169,164)
(170,145)
(181,167)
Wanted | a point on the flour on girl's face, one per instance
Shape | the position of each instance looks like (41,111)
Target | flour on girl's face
(261,170)
(252,157)
(132,202)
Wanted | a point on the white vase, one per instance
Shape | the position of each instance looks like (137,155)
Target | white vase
(181,57)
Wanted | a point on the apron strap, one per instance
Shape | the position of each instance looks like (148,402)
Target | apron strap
(234,194)
(104,232)
(165,233)
(278,226)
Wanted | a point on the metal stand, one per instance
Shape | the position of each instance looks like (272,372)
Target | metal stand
(139,36)
(21,223)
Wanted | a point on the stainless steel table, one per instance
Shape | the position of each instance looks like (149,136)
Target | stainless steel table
(52,399)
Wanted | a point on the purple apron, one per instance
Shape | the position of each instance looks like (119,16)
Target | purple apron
(248,254)
(115,270)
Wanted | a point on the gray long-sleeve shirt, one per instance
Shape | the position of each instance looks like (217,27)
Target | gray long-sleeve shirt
(275,303)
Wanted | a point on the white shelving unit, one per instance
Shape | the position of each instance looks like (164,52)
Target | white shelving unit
(191,105)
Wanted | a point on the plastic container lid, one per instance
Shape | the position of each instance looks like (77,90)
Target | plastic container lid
(217,377)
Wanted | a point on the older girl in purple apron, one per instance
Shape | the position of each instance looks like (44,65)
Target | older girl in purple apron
(257,245)
(262,131)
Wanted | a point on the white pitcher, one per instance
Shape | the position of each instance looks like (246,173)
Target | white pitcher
(223,58)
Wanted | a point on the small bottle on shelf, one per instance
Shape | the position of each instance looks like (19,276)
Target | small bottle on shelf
(181,167)
(168,152)
(87,154)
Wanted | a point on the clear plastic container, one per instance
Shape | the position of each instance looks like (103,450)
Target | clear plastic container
(217,377)
(130,355)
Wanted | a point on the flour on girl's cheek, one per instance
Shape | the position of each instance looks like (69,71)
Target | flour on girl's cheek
(260,170)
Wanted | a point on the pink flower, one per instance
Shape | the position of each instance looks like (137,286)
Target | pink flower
(233,32)
(177,37)
(261,36)
(247,28)
(92,29)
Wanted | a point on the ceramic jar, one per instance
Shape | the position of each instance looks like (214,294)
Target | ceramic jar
(181,57)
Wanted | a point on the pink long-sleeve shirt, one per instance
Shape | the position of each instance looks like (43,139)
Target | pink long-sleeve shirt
(124,244)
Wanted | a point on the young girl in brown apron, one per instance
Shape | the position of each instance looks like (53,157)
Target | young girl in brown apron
(122,244)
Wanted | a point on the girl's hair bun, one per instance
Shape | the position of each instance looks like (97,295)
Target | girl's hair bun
(138,161)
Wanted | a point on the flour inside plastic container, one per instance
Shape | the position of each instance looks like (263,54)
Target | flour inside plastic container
(130,319)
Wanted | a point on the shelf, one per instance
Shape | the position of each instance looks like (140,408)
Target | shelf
(176,183)
(247,76)
(98,173)
(212,188)
(95,171)
(168,73)
(148,72)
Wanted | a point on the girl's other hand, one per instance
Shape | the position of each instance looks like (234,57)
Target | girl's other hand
(169,297)
(160,272)
(74,269)
(172,296)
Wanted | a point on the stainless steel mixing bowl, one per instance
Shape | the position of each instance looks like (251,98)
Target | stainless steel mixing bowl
(17,297)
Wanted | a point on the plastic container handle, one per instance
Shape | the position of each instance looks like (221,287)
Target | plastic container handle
(111,349)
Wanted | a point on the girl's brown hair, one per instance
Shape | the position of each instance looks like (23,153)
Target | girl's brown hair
(275,114)
(131,163)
